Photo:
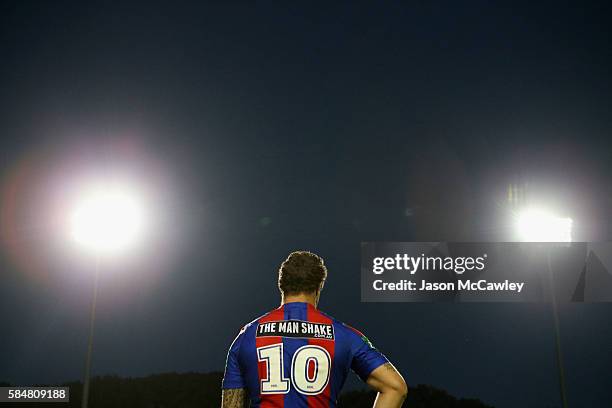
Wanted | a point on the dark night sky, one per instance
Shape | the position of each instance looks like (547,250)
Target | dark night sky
(264,129)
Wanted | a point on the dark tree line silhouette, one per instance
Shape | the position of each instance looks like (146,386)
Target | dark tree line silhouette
(198,390)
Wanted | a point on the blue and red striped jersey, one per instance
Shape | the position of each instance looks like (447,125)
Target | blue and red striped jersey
(297,356)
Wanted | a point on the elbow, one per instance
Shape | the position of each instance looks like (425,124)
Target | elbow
(399,388)
(389,381)
(402,390)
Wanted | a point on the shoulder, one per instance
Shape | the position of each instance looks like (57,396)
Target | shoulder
(357,338)
(253,323)
(350,329)
(247,331)
(346,329)
(354,337)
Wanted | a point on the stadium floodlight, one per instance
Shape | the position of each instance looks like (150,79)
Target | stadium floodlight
(536,225)
(107,219)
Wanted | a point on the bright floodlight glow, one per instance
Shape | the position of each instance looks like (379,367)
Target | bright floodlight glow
(534,225)
(107,219)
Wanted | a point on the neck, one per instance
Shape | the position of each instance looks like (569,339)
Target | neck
(311,298)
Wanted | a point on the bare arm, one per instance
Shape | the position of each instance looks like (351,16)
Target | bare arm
(234,398)
(390,384)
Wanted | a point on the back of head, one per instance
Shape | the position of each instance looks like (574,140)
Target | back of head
(301,273)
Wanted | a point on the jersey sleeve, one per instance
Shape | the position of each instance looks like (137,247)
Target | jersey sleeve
(366,358)
(233,377)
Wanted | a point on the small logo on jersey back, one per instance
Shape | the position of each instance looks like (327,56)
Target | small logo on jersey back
(296,329)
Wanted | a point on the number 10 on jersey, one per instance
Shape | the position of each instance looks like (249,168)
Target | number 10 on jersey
(305,381)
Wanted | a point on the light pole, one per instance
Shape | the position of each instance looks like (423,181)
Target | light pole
(560,368)
(92,319)
(536,225)
(107,219)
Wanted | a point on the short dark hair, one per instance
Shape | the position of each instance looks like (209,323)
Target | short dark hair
(301,272)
